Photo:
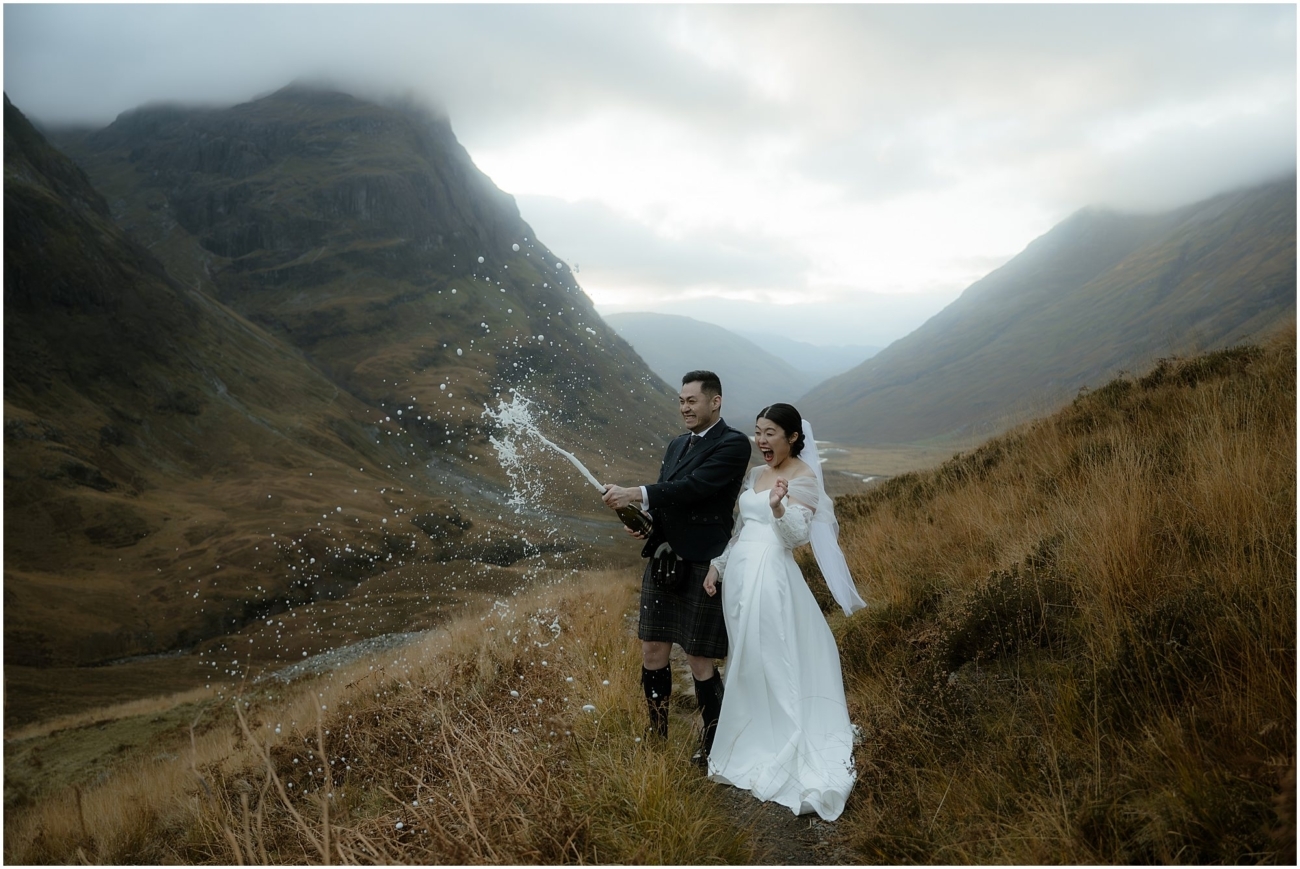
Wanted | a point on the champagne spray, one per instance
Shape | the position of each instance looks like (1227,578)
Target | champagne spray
(517,415)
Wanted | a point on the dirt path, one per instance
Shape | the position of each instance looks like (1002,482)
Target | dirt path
(782,838)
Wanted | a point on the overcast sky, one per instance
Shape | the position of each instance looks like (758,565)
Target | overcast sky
(835,173)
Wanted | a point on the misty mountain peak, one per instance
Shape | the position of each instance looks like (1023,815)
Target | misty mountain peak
(1102,291)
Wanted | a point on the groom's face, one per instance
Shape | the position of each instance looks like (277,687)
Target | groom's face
(699,409)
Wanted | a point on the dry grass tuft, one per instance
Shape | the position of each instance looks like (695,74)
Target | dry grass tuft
(143,813)
(1082,647)
(511,738)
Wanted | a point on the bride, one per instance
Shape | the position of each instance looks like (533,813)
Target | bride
(784,731)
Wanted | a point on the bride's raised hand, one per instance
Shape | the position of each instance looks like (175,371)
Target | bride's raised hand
(775,494)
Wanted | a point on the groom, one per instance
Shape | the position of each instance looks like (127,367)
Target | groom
(691,506)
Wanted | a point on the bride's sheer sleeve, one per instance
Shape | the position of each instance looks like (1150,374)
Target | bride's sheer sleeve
(794,526)
(721,561)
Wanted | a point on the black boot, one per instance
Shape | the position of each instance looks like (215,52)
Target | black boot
(658,686)
(708,694)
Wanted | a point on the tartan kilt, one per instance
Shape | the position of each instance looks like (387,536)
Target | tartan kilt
(687,616)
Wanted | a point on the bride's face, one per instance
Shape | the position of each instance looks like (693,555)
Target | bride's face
(772,442)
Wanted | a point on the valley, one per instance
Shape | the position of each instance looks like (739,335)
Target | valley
(395,599)
(207,429)
(851,469)
(1136,549)
(255,473)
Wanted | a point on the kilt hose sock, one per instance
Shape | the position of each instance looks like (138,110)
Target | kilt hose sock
(708,694)
(658,686)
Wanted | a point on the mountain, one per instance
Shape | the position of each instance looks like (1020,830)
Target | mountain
(247,375)
(365,236)
(815,360)
(1100,293)
(752,377)
(137,411)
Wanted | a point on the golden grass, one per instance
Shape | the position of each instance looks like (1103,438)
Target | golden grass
(129,709)
(142,813)
(1080,649)
(475,746)
(1082,645)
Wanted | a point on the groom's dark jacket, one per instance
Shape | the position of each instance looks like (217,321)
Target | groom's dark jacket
(691,505)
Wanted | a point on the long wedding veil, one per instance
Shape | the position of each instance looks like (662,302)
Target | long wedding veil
(824,534)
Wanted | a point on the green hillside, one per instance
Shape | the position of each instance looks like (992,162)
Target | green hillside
(1100,293)
(250,380)
(150,435)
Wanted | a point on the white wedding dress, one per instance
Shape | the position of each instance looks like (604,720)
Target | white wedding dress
(784,732)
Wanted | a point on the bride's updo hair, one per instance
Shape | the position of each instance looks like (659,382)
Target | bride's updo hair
(789,420)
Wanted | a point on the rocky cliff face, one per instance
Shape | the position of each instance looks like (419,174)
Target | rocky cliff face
(365,236)
(361,172)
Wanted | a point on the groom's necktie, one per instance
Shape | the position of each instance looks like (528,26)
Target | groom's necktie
(690,444)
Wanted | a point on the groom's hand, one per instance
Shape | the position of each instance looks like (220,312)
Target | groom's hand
(617,497)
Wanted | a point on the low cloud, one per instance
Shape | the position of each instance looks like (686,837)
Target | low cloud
(827,153)
(621,252)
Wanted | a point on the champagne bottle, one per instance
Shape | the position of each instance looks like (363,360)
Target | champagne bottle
(635,519)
